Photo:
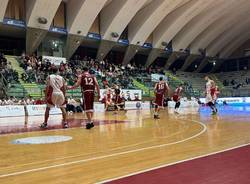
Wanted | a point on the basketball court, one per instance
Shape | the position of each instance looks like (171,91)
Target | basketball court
(126,144)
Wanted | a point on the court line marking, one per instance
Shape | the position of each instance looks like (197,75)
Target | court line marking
(80,155)
(58,129)
(109,155)
(173,163)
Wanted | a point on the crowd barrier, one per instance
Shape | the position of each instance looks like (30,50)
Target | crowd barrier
(184,104)
(12,111)
(36,110)
(230,100)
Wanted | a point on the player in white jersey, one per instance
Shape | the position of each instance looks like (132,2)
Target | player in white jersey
(209,94)
(55,97)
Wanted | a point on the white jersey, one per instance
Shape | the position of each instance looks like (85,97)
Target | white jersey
(209,85)
(56,82)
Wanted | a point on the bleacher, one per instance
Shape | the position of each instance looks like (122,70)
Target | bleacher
(236,83)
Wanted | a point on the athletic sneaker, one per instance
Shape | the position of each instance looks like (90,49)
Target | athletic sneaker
(214,113)
(44,125)
(90,125)
(65,125)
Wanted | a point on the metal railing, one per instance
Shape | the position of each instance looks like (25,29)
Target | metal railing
(3,86)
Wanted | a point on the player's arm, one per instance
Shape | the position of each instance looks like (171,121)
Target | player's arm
(77,84)
(64,87)
(155,88)
(167,89)
(97,88)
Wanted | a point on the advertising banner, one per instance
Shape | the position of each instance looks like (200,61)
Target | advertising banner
(129,94)
(137,105)
(35,110)
(12,111)
(55,60)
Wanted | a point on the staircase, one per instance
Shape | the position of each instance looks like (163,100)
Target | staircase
(174,82)
(32,89)
(217,81)
(145,90)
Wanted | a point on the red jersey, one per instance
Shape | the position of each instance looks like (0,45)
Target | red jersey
(87,82)
(178,91)
(212,91)
(161,88)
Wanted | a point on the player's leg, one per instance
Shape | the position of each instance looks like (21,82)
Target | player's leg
(116,104)
(46,117)
(89,104)
(211,105)
(64,116)
(157,106)
(58,99)
(177,105)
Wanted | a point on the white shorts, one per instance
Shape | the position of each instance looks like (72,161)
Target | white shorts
(58,100)
(209,98)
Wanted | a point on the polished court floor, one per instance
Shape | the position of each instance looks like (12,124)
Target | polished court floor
(119,145)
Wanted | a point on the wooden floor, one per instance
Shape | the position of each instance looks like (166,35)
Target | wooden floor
(122,144)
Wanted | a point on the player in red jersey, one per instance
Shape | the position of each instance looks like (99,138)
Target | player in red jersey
(177,98)
(216,94)
(88,85)
(161,88)
(55,97)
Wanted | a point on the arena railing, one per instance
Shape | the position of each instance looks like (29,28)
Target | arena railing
(3,86)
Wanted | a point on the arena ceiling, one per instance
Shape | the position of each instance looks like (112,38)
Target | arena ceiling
(217,26)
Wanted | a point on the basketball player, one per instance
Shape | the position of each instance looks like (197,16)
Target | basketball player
(118,101)
(215,95)
(88,85)
(177,98)
(55,97)
(161,88)
(209,93)
(108,98)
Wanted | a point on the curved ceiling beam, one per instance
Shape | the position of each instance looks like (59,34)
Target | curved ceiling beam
(198,24)
(81,14)
(36,9)
(215,29)
(175,21)
(234,45)
(147,19)
(223,40)
(227,36)
(116,16)
(3,7)
(37,31)
(237,42)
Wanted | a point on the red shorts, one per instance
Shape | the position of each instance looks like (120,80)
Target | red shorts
(176,98)
(88,101)
(159,99)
